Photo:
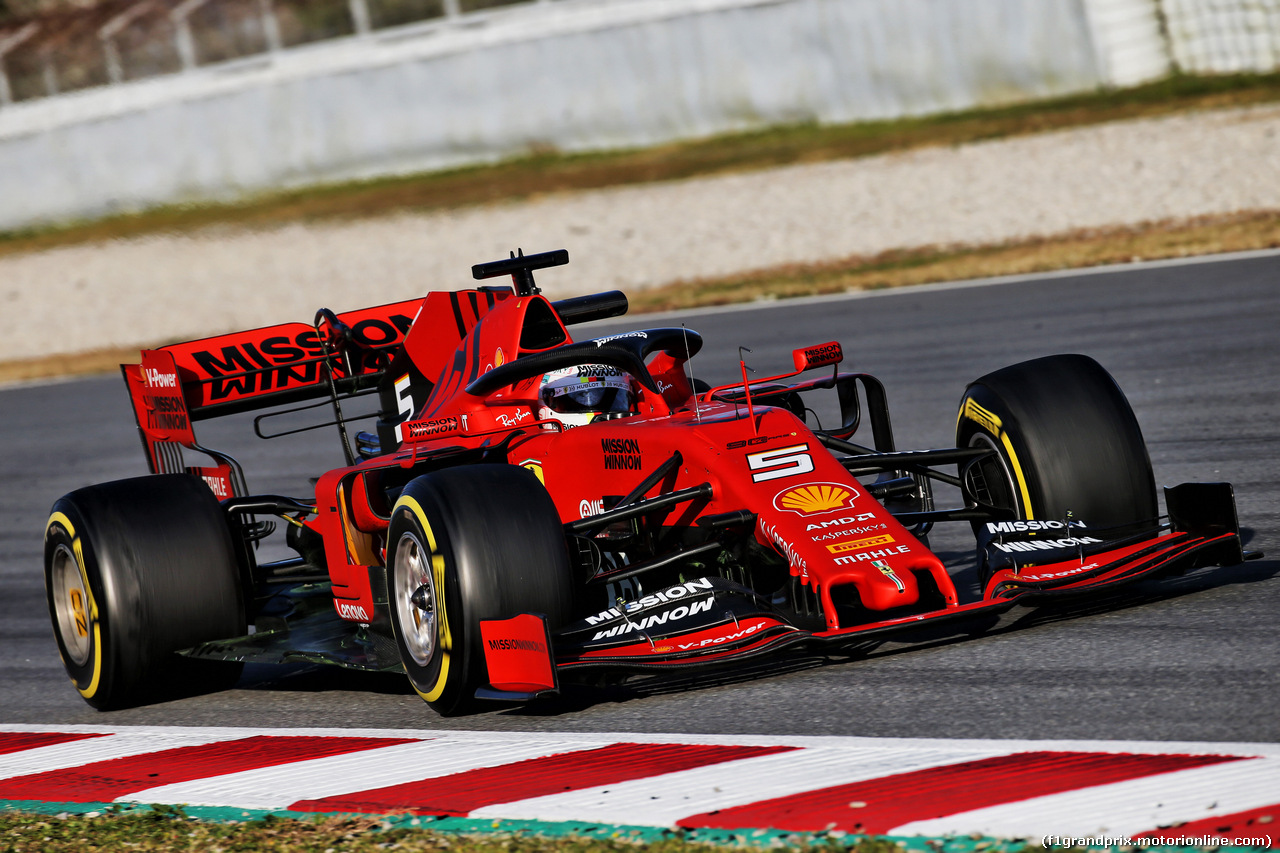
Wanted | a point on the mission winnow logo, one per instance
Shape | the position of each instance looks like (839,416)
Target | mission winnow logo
(621,454)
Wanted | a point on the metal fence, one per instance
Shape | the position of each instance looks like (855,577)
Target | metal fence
(122,40)
(1223,36)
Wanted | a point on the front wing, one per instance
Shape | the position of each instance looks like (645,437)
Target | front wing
(746,629)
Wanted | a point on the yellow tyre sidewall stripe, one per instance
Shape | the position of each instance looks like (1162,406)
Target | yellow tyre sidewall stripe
(1017,475)
(989,421)
(78,549)
(445,638)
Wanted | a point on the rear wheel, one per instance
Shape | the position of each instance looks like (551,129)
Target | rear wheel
(1066,442)
(467,544)
(134,571)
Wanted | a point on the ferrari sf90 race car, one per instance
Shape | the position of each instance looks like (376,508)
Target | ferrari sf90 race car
(533,508)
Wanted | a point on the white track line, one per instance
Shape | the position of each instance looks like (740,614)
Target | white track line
(1121,808)
(1144,747)
(839,742)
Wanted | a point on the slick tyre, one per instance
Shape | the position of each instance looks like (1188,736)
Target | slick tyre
(1066,441)
(466,544)
(134,571)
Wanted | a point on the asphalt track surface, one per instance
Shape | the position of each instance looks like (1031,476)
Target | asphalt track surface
(1196,347)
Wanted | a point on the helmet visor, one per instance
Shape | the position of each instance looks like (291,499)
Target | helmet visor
(592,400)
(587,388)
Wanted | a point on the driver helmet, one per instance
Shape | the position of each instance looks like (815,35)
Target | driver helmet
(576,396)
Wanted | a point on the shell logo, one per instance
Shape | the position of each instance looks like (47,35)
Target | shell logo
(816,498)
(499,358)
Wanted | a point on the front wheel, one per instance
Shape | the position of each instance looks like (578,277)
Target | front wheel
(465,545)
(1065,441)
(134,571)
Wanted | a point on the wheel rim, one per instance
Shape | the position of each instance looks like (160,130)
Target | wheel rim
(417,610)
(71,604)
(991,481)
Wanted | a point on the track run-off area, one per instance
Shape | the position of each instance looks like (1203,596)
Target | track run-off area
(1152,711)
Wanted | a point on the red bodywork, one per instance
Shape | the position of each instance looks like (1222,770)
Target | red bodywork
(833,534)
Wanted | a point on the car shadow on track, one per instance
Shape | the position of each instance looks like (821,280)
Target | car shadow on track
(318,678)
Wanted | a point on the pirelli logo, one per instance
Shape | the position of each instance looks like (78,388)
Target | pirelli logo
(858,544)
(981,416)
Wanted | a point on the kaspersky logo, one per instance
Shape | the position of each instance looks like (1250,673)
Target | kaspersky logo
(816,498)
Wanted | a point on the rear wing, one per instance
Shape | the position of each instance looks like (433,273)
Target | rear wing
(179,384)
(263,367)
(339,356)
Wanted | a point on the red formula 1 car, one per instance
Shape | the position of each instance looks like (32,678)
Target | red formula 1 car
(531,507)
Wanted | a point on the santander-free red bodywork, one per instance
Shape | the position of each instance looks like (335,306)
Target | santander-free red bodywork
(759,480)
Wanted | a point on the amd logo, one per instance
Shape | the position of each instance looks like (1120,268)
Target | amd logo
(848,519)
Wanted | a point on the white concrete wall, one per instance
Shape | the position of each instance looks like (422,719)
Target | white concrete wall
(1130,45)
(572,75)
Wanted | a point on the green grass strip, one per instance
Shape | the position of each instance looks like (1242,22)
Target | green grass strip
(25,822)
